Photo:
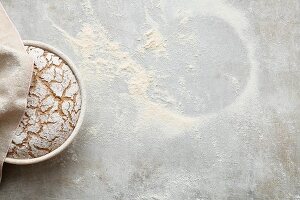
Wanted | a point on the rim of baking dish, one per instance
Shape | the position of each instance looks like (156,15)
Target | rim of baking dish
(82,112)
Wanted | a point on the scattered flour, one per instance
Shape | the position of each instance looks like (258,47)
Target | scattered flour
(107,59)
(155,42)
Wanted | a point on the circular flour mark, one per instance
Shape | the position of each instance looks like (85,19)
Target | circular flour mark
(206,69)
(53,107)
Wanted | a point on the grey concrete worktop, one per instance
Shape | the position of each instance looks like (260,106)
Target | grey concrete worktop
(186,100)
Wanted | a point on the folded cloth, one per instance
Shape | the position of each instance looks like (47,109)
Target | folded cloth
(15,76)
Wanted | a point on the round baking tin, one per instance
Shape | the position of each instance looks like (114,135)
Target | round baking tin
(82,112)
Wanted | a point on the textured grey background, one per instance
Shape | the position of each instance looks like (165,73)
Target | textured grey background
(229,126)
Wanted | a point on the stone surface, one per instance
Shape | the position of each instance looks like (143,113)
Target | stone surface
(186,100)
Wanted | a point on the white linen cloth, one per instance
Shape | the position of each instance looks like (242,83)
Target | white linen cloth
(15,76)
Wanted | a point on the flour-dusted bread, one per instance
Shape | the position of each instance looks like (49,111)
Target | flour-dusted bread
(53,107)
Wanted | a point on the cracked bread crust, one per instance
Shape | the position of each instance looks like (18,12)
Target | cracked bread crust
(53,107)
